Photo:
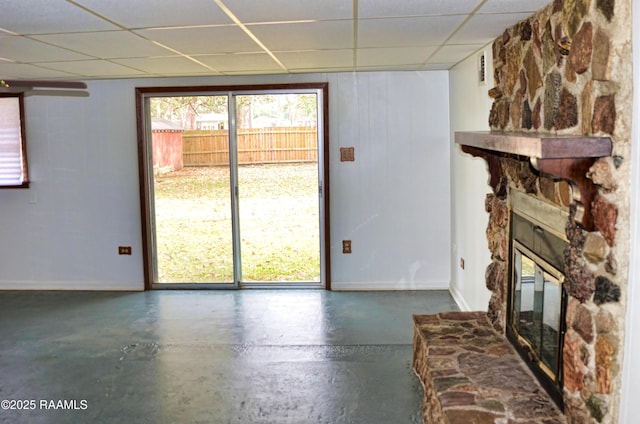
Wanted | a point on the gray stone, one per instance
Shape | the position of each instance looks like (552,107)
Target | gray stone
(607,8)
(611,265)
(605,291)
(525,30)
(597,408)
(526,116)
(552,88)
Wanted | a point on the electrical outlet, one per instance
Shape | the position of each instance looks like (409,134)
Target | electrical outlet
(346,246)
(462,263)
(124,250)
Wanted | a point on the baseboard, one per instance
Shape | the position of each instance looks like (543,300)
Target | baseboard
(388,285)
(457,297)
(73,285)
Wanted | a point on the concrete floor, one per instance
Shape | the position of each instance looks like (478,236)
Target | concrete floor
(211,356)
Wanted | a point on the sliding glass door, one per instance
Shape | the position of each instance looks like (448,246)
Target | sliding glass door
(236,192)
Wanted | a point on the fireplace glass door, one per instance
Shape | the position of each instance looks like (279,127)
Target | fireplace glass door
(537,301)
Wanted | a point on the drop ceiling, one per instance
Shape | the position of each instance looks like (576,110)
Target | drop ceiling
(95,39)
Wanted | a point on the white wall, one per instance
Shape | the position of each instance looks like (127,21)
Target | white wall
(470,106)
(63,232)
(393,201)
(630,407)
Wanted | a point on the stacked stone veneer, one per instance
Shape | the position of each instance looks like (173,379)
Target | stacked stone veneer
(567,70)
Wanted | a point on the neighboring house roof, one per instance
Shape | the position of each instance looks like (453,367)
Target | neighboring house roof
(160,124)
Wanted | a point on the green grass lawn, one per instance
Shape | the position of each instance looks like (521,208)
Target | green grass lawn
(278,224)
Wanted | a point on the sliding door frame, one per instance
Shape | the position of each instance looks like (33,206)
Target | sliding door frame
(145,174)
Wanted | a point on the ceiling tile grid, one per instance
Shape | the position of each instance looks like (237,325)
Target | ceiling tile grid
(91,39)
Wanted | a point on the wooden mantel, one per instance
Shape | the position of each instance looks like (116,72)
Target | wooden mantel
(566,157)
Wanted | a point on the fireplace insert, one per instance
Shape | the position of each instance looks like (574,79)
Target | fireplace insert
(537,299)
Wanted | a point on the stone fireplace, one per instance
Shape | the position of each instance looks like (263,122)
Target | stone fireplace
(560,134)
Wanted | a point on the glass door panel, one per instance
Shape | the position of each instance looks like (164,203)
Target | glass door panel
(192,190)
(278,184)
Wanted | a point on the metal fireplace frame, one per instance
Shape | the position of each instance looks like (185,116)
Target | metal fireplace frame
(536,231)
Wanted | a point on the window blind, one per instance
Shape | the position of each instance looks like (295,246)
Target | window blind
(12,169)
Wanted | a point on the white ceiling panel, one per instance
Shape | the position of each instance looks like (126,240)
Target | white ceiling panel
(154,13)
(288,10)
(137,38)
(386,8)
(485,28)
(513,6)
(394,56)
(106,44)
(46,16)
(204,40)
(239,62)
(317,59)
(175,65)
(403,32)
(94,68)
(323,35)
(19,70)
(21,49)
(454,54)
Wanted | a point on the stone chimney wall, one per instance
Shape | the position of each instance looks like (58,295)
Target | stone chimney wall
(567,70)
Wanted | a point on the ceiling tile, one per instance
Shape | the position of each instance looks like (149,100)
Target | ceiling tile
(21,49)
(288,10)
(238,62)
(323,35)
(204,40)
(86,38)
(513,6)
(401,68)
(95,68)
(394,56)
(316,59)
(386,8)
(24,71)
(106,44)
(46,16)
(396,32)
(175,65)
(454,53)
(485,28)
(154,13)
(437,66)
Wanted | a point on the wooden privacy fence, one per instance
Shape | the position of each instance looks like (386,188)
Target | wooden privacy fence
(255,146)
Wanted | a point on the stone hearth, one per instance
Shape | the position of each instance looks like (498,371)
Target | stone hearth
(471,374)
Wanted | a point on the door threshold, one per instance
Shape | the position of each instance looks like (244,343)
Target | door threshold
(231,286)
